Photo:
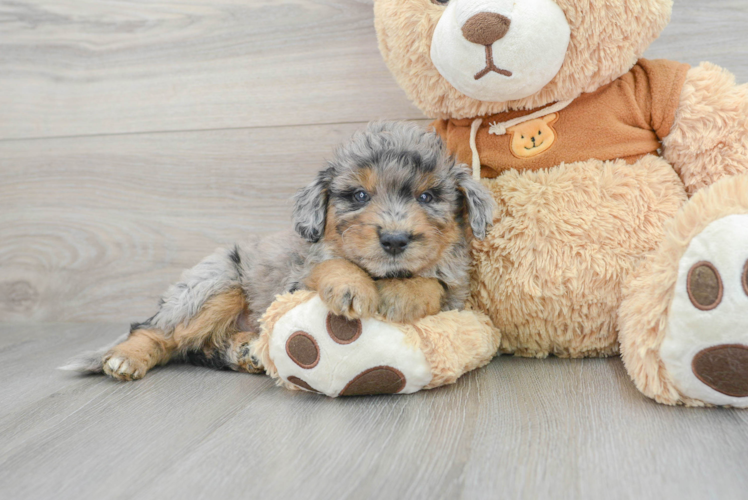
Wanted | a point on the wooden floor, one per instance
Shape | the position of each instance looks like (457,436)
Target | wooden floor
(137,136)
(518,428)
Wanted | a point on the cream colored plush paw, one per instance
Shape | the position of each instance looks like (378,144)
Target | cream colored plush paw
(683,321)
(705,349)
(317,350)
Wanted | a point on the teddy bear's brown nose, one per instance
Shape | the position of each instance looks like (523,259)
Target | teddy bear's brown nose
(485,28)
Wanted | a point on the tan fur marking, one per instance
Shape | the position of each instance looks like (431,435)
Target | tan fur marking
(142,350)
(368,179)
(425,183)
(214,324)
(408,300)
(209,331)
(345,288)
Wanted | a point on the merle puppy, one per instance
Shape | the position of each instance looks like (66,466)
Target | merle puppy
(385,228)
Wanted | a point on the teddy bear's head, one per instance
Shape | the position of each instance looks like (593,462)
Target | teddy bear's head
(466,58)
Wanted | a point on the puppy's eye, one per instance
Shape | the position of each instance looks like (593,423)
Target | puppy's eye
(361,196)
(426,197)
(440,2)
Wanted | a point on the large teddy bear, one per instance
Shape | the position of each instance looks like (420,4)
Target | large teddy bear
(622,224)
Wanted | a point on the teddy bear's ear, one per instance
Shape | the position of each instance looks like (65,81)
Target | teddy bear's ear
(310,207)
(550,118)
(478,202)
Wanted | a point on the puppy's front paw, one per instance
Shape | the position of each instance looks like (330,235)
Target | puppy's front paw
(408,300)
(345,288)
(123,367)
(358,298)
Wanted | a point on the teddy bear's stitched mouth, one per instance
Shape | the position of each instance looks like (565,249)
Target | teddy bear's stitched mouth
(534,146)
(491,66)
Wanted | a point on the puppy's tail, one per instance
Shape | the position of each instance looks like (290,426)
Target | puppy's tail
(90,362)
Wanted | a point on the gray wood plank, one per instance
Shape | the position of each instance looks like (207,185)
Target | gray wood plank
(707,31)
(81,67)
(46,346)
(95,228)
(518,428)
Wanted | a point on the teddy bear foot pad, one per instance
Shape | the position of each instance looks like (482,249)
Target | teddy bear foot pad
(318,351)
(705,350)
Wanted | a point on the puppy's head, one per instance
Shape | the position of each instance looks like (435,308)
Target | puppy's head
(393,201)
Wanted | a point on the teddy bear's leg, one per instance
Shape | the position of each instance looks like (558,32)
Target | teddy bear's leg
(684,318)
(306,346)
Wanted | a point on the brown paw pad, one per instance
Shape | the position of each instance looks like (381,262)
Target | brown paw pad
(343,330)
(302,383)
(724,368)
(303,350)
(377,380)
(704,286)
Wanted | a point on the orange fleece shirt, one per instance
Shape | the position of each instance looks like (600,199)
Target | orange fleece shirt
(625,119)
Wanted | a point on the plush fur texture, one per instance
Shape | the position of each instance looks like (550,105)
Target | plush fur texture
(709,139)
(648,293)
(453,342)
(550,271)
(607,38)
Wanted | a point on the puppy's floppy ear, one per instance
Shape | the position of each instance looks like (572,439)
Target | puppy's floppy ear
(310,207)
(478,200)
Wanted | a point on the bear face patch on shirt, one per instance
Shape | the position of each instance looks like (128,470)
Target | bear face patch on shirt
(533,137)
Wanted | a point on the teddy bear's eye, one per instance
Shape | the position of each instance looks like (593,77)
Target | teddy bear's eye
(540,132)
(440,2)
(523,136)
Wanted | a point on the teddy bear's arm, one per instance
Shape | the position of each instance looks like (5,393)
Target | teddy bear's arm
(709,138)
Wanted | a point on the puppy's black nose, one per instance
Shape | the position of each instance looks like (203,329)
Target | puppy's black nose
(394,243)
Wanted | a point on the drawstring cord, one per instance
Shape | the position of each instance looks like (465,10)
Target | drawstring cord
(499,128)
(476,158)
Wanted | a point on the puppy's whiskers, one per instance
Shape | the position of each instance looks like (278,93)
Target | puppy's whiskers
(342,235)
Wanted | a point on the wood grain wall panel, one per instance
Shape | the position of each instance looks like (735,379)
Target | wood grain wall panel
(95,228)
(82,67)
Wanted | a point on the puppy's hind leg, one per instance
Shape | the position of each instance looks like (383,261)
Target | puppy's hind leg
(143,349)
(197,314)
